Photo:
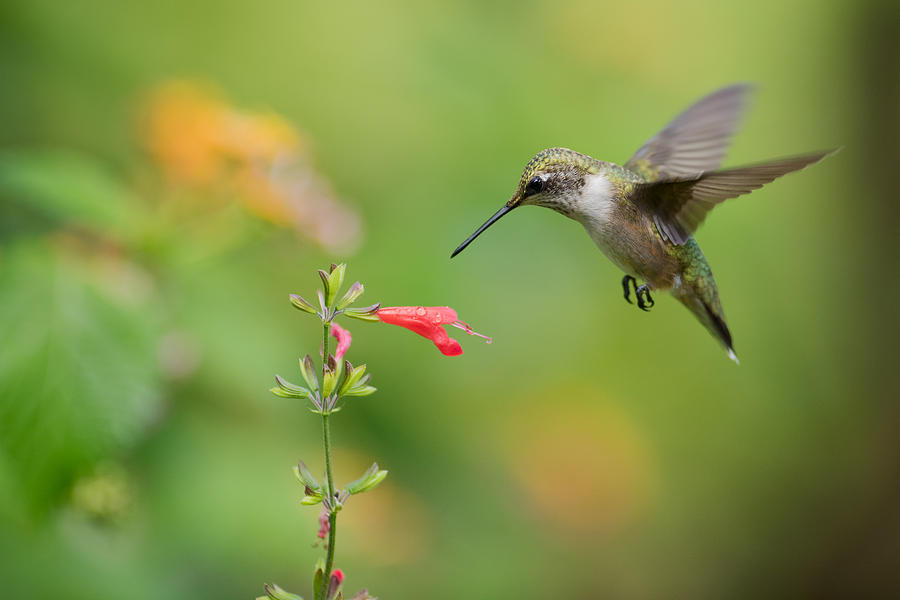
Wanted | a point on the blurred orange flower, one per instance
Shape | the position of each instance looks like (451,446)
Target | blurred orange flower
(200,140)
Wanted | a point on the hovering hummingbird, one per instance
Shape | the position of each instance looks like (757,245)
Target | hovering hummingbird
(643,215)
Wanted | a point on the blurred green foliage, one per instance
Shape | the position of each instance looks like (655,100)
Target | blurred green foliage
(591,451)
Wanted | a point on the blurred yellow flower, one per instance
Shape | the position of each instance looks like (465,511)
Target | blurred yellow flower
(200,140)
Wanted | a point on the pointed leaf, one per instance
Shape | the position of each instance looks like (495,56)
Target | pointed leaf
(308,369)
(329,381)
(372,477)
(276,593)
(354,375)
(369,313)
(353,486)
(351,296)
(323,275)
(290,390)
(365,390)
(318,577)
(308,477)
(335,281)
(281,393)
(301,303)
(305,476)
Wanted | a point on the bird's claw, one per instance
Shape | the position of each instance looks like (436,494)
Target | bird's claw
(642,292)
(628,279)
(644,300)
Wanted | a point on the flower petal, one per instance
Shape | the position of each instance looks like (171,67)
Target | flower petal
(343,338)
(427,322)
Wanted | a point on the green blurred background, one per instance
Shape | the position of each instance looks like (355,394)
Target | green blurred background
(171,171)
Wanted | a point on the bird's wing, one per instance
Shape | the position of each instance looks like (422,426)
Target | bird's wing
(679,205)
(696,140)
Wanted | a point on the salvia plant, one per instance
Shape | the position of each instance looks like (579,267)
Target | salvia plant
(327,385)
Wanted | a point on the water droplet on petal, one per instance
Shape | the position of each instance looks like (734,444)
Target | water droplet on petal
(420,311)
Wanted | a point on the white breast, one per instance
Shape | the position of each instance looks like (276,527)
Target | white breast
(595,207)
(596,201)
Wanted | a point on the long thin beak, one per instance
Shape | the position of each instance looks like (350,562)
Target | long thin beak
(506,208)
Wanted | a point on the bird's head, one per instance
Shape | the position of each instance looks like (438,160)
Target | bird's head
(552,178)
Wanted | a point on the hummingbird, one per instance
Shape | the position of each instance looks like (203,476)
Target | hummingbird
(643,214)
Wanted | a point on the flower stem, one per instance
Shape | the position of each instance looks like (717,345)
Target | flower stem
(329,490)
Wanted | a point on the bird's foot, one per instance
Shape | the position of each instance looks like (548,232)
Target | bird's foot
(644,300)
(628,279)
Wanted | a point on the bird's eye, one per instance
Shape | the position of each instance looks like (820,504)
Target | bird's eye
(535,185)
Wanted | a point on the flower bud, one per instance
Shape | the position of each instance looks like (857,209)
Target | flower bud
(334,584)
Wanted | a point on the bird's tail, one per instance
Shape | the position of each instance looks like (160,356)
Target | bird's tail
(704,302)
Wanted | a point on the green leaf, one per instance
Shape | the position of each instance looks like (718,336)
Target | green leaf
(361,388)
(78,376)
(305,476)
(369,313)
(329,381)
(364,390)
(63,188)
(329,294)
(353,377)
(351,296)
(311,500)
(276,593)
(301,303)
(335,281)
(318,576)
(332,374)
(372,477)
(286,389)
(308,370)
(281,393)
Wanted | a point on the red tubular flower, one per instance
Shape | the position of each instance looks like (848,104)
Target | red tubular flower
(343,338)
(338,574)
(427,321)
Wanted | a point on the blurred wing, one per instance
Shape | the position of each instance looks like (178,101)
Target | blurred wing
(696,140)
(678,206)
